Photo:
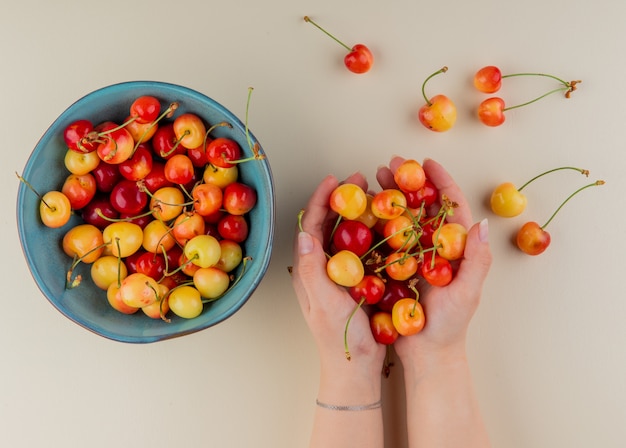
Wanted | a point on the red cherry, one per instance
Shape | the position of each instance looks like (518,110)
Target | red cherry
(126,197)
(139,165)
(359,58)
(394,291)
(222,151)
(233,227)
(370,289)
(353,236)
(156,179)
(100,203)
(74,134)
(145,109)
(427,195)
(107,176)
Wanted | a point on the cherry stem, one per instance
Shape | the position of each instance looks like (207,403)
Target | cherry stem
(307,19)
(34,191)
(441,70)
(598,182)
(560,89)
(345,331)
(580,170)
(166,114)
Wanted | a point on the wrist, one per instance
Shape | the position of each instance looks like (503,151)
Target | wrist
(349,383)
(432,361)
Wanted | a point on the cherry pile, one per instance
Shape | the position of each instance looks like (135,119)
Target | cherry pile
(164,213)
(384,246)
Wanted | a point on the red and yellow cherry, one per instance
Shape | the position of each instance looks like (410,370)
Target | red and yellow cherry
(203,250)
(141,132)
(436,270)
(370,289)
(491,111)
(167,203)
(388,203)
(408,316)
(80,189)
(348,200)
(157,237)
(84,242)
(533,239)
(139,290)
(122,238)
(400,233)
(238,198)
(410,176)
(139,165)
(107,270)
(439,112)
(345,268)
(115,300)
(233,227)
(117,144)
(211,282)
(161,307)
(189,130)
(207,199)
(81,163)
(359,58)
(383,330)
(367,217)
(401,266)
(186,226)
(186,302)
(231,255)
(488,79)
(450,240)
(179,169)
(353,236)
(55,209)
(219,176)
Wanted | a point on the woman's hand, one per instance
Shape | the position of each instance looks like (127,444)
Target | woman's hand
(448,309)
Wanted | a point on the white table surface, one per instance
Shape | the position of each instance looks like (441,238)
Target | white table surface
(547,346)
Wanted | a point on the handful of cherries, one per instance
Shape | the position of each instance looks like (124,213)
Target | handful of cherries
(164,213)
(383,244)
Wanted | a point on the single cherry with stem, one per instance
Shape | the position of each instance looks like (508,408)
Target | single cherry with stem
(439,112)
(508,201)
(359,58)
(533,239)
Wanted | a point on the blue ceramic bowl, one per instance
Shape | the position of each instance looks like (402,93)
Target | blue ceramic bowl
(86,304)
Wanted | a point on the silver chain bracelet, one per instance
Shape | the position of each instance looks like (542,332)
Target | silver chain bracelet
(365,407)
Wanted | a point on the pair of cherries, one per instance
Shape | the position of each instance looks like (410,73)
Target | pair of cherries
(489,80)
(508,201)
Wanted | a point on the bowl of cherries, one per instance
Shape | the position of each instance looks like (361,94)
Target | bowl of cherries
(146,212)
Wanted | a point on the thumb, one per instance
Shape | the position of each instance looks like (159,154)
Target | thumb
(477,258)
(309,270)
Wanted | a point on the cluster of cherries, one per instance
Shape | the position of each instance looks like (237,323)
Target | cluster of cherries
(164,212)
(508,201)
(383,244)
(439,112)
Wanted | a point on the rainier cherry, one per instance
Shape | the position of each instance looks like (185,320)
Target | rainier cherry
(488,79)
(359,58)
(439,113)
(533,239)
(508,201)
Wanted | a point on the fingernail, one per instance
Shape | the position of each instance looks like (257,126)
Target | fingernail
(483,231)
(305,243)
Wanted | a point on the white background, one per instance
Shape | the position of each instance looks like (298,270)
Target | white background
(547,346)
